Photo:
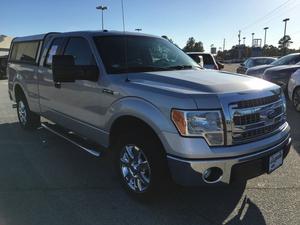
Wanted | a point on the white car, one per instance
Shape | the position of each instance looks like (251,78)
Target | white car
(294,89)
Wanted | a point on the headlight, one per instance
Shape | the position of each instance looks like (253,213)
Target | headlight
(283,101)
(206,124)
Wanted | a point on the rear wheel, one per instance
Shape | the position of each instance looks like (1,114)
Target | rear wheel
(140,163)
(27,119)
(296,99)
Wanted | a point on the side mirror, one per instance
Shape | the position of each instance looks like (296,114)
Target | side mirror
(242,64)
(65,70)
(220,65)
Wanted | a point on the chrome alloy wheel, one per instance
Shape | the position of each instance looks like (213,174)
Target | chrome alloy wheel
(135,168)
(22,112)
(296,99)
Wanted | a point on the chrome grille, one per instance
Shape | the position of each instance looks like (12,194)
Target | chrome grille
(256,118)
(257,101)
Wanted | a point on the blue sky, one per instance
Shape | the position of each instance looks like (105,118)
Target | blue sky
(207,20)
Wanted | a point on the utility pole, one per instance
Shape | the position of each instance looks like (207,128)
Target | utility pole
(244,38)
(102,8)
(265,41)
(224,44)
(252,38)
(239,35)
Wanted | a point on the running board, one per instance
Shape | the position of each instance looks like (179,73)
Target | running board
(73,138)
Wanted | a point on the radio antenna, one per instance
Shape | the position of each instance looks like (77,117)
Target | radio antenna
(125,41)
(123,16)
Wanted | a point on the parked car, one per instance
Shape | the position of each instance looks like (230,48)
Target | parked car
(3,64)
(294,89)
(150,106)
(209,61)
(254,61)
(290,59)
(280,74)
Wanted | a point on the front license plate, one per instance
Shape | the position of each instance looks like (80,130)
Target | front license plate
(275,161)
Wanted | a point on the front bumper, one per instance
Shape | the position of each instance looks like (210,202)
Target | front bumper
(189,172)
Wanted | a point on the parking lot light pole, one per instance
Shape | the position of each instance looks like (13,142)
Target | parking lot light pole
(252,38)
(244,38)
(285,22)
(102,8)
(265,41)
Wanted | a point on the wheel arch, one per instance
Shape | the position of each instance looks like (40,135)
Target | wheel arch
(126,123)
(138,113)
(18,92)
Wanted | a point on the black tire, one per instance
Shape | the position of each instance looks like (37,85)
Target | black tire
(296,99)
(27,119)
(153,151)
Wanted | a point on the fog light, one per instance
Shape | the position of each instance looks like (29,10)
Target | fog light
(212,175)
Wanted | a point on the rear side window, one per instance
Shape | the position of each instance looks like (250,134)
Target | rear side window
(195,58)
(55,46)
(79,48)
(25,52)
(208,59)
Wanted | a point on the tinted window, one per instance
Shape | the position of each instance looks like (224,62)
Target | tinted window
(249,63)
(287,60)
(208,59)
(122,54)
(262,61)
(79,48)
(195,57)
(55,46)
(25,51)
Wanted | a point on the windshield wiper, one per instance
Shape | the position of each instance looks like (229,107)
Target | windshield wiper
(181,67)
(144,69)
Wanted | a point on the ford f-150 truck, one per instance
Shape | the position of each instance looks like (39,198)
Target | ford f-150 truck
(150,105)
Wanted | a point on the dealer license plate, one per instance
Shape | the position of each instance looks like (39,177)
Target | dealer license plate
(275,161)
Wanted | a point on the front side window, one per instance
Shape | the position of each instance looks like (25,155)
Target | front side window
(129,54)
(25,51)
(55,46)
(79,48)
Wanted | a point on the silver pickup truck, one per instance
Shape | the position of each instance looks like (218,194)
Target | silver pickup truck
(150,105)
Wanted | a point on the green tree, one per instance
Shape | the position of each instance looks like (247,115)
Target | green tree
(193,46)
(270,50)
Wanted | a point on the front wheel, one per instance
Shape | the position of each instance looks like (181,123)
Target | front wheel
(27,119)
(296,99)
(141,165)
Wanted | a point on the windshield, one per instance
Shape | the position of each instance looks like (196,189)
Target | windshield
(129,54)
(287,60)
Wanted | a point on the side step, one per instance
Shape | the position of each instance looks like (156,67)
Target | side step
(70,136)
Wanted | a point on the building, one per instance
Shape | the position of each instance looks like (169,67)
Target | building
(4,44)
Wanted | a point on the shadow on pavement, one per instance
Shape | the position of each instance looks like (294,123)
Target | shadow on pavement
(46,180)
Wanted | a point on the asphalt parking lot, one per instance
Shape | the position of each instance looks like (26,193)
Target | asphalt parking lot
(46,180)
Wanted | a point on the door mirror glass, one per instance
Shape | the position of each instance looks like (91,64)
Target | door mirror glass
(65,70)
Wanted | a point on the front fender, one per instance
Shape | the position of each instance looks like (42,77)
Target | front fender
(144,110)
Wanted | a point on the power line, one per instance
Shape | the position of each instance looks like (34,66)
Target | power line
(266,15)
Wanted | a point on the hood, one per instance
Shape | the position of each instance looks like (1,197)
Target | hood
(258,69)
(283,67)
(198,81)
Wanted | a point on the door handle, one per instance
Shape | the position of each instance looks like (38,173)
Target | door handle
(57,84)
(110,92)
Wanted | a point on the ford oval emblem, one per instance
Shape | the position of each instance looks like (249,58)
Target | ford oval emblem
(271,114)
